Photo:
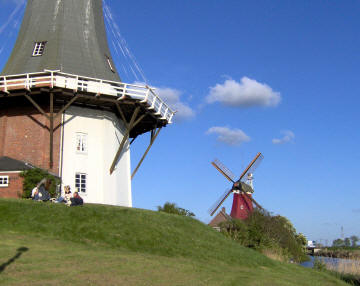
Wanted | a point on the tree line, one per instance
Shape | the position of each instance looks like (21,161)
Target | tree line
(346,242)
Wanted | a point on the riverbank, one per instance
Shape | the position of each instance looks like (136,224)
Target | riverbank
(347,270)
(345,253)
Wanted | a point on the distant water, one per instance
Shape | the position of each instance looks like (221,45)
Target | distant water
(327,260)
(309,263)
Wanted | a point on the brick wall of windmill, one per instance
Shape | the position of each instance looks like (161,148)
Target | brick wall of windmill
(25,136)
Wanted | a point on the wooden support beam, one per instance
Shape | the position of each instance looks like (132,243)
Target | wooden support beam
(51,119)
(122,114)
(112,168)
(103,99)
(139,119)
(153,138)
(36,106)
(66,106)
(11,94)
(51,123)
(51,129)
(126,136)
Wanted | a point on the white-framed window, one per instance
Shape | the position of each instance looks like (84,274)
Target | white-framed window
(80,182)
(81,143)
(4,181)
(38,49)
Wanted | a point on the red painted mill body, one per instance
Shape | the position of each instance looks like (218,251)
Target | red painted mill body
(242,206)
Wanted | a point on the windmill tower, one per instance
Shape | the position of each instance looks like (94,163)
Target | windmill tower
(243,201)
(63,106)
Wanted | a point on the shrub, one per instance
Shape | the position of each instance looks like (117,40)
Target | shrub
(267,233)
(172,208)
(235,229)
(33,176)
(319,265)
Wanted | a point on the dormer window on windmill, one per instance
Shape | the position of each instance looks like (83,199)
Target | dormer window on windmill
(39,49)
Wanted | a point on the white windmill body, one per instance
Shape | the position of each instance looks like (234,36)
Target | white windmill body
(90,140)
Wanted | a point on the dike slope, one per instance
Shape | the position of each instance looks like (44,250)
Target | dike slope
(143,247)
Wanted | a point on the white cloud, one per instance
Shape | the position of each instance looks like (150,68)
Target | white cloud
(233,137)
(172,97)
(288,137)
(248,92)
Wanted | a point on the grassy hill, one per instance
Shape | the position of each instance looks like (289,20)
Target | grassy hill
(51,244)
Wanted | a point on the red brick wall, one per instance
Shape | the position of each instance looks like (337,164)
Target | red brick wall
(14,190)
(24,135)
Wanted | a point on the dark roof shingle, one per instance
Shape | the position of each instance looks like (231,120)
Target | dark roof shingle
(9,164)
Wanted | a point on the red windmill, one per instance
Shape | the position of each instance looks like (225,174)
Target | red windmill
(242,200)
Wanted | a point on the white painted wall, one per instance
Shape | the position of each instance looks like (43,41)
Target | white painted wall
(104,134)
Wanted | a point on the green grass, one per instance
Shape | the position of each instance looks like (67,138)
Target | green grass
(104,245)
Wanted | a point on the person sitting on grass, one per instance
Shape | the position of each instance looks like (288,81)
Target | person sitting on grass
(40,192)
(35,194)
(66,197)
(76,200)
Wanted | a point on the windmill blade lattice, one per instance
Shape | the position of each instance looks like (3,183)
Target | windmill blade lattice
(252,167)
(219,202)
(224,170)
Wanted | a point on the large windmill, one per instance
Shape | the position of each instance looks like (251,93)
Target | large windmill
(241,188)
(64,108)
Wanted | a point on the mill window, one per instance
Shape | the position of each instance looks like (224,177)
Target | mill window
(39,49)
(81,143)
(4,181)
(80,182)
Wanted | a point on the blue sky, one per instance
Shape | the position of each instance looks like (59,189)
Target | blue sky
(277,77)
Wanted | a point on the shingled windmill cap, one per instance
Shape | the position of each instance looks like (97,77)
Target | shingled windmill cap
(64,35)
(62,47)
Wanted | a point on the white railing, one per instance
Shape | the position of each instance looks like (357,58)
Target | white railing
(120,90)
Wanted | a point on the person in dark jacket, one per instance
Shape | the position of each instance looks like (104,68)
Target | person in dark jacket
(40,192)
(76,200)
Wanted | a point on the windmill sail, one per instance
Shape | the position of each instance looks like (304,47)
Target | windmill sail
(253,200)
(224,170)
(252,166)
(219,202)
